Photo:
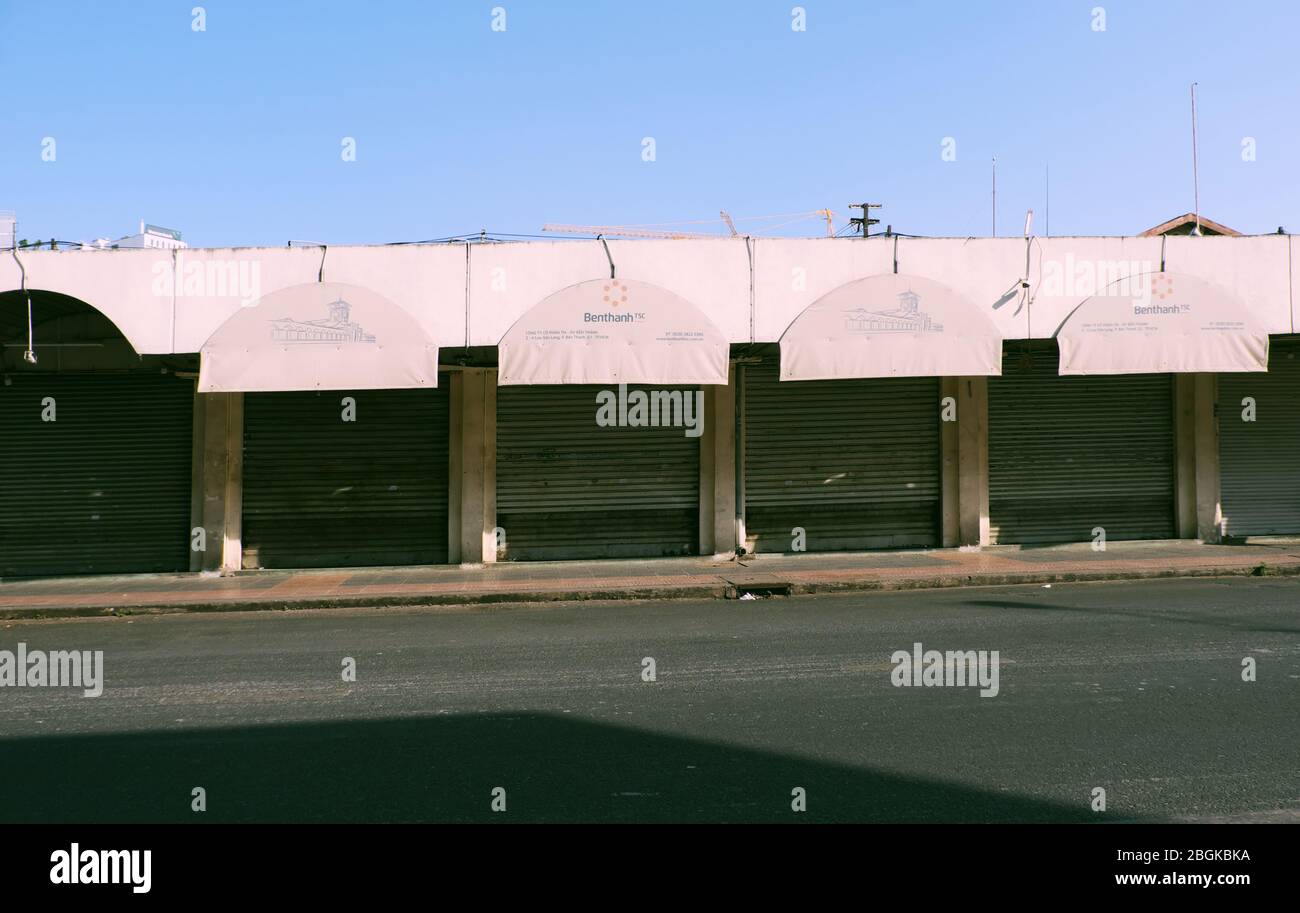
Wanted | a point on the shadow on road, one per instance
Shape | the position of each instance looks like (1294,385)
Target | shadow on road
(445,768)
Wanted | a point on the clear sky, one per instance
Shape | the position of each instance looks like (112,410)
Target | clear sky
(234,134)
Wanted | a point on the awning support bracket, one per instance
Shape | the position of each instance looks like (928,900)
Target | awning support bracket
(29,354)
(605,244)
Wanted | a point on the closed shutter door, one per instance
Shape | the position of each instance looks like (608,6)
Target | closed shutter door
(569,488)
(1070,454)
(105,487)
(855,463)
(322,492)
(1260,460)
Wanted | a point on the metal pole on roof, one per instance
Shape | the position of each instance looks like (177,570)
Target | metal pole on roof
(995,196)
(1196,178)
(1047,228)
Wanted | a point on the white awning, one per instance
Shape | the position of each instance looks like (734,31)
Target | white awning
(610,331)
(1161,323)
(891,325)
(318,336)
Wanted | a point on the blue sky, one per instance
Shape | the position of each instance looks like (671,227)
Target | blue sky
(234,134)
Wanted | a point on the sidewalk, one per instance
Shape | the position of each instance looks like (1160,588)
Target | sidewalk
(662,578)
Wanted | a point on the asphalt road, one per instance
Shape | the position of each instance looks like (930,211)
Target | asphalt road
(1132,687)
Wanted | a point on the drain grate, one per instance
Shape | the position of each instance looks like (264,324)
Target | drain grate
(755,585)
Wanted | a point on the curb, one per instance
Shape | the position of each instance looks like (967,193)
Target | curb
(711,591)
(1013,579)
(714,588)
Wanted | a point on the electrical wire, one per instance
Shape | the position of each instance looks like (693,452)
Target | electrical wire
(483,236)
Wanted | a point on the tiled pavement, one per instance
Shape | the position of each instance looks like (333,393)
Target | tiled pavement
(655,578)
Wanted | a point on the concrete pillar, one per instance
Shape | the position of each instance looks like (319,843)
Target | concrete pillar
(472,495)
(718,469)
(232,552)
(455,396)
(949,464)
(1185,510)
(738,442)
(218,479)
(197,431)
(972,483)
(1209,510)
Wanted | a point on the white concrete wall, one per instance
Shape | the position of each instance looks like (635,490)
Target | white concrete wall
(981,269)
(426,281)
(1127,256)
(119,283)
(1293,258)
(1253,270)
(505,280)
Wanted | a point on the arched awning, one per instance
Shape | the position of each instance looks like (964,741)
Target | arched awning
(1161,323)
(66,331)
(611,331)
(318,336)
(891,325)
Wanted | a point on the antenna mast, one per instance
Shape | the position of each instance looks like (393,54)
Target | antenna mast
(1196,177)
(995,196)
(1047,229)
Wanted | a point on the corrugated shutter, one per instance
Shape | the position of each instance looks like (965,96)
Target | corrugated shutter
(105,488)
(1069,454)
(855,463)
(1259,461)
(322,492)
(568,488)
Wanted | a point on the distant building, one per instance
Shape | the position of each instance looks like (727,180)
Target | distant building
(152,236)
(1186,225)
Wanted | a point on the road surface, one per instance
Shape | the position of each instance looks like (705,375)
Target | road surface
(1133,688)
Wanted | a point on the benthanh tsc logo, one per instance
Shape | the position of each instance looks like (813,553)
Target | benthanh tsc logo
(1162,285)
(615,293)
(614,296)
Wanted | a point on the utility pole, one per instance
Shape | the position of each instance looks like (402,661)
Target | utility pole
(864,224)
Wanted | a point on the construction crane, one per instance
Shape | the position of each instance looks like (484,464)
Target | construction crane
(830,221)
(650,231)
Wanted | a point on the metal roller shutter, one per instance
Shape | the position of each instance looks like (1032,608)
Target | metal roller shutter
(322,492)
(1260,461)
(855,463)
(105,488)
(1069,454)
(568,488)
